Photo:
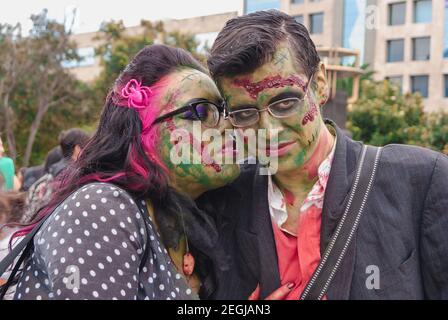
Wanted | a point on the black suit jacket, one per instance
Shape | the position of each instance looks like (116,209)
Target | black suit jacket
(403,231)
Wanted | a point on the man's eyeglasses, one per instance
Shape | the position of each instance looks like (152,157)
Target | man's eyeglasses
(280,109)
(203,110)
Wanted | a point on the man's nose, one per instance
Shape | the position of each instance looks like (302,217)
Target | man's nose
(272,125)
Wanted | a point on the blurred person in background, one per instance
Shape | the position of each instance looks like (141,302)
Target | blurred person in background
(70,144)
(7,170)
(12,206)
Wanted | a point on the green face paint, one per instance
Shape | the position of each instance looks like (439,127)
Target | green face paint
(279,77)
(189,85)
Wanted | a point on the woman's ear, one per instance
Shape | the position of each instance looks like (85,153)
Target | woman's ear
(321,84)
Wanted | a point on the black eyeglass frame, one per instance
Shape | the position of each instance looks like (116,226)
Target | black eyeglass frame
(192,108)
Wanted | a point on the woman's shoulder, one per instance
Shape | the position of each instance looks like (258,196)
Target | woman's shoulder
(99,206)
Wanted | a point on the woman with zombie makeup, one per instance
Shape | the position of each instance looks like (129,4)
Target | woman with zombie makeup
(123,224)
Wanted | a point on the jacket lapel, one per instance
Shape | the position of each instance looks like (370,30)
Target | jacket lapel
(336,197)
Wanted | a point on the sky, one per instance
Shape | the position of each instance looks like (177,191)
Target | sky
(90,13)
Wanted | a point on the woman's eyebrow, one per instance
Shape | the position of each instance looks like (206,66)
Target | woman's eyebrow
(286,95)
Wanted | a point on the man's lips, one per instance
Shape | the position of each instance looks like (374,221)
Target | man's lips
(279,150)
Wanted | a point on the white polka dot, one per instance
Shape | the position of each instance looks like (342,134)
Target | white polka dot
(109,259)
(104,286)
(112,279)
(55,234)
(87,196)
(124,244)
(150,280)
(116,194)
(38,298)
(61,241)
(75,290)
(101,266)
(77,221)
(99,191)
(120,272)
(62,260)
(123,293)
(70,249)
(69,230)
(127,265)
(114,232)
(89,253)
(78,241)
(103,200)
(56,271)
(112,212)
(97,245)
(87,233)
(70,213)
(63,223)
(92,273)
(93,206)
(84,281)
(77,204)
(173,294)
(117,252)
(161,287)
(81,260)
(188,291)
(84,213)
(129,285)
(54,252)
(37,286)
(162,267)
(106,238)
(103,219)
(122,206)
(95,294)
(122,225)
(65,206)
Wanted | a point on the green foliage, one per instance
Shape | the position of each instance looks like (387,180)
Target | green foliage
(382,115)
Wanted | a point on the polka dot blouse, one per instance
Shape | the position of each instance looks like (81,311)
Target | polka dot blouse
(93,247)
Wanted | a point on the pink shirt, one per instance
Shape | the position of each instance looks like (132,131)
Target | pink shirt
(299,253)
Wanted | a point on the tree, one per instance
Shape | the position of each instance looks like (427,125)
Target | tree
(382,115)
(35,87)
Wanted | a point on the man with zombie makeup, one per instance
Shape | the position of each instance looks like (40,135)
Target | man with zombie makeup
(276,228)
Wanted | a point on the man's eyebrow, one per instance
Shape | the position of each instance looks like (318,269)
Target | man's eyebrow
(244,106)
(286,95)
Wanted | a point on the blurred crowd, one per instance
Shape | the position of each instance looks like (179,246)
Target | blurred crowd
(24,191)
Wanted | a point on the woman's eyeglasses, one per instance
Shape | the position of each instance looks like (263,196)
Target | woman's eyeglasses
(203,110)
(280,109)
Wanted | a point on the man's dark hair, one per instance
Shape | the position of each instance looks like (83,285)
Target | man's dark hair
(69,139)
(247,42)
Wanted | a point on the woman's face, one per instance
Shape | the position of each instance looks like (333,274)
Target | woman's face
(196,154)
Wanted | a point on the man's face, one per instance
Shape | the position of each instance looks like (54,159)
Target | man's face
(282,84)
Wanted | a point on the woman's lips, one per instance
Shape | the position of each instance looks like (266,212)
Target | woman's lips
(282,149)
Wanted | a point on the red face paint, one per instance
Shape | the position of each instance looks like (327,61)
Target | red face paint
(310,115)
(289,197)
(268,83)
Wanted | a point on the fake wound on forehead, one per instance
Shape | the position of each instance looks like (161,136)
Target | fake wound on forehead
(254,88)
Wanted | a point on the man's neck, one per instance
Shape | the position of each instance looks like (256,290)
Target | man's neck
(300,180)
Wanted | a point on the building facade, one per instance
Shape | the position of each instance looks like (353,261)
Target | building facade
(404,41)
(204,28)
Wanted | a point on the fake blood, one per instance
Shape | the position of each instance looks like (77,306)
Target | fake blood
(309,116)
(254,88)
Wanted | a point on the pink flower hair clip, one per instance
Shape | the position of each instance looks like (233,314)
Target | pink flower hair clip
(137,96)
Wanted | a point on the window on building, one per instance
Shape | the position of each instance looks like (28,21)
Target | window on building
(299,19)
(445,36)
(396,80)
(316,23)
(395,50)
(297,1)
(446,85)
(420,84)
(422,11)
(397,13)
(258,5)
(421,48)
(87,58)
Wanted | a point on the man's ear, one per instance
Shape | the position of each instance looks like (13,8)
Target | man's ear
(321,84)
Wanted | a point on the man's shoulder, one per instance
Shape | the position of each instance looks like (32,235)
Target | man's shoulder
(410,157)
